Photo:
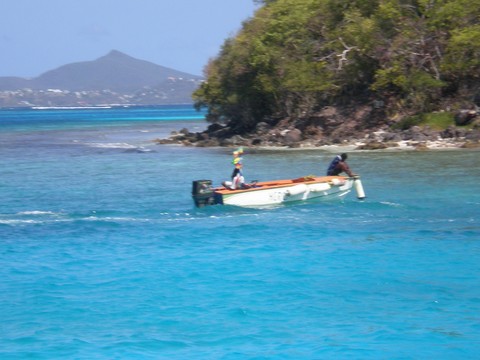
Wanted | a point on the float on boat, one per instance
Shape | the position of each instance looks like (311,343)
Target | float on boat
(274,192)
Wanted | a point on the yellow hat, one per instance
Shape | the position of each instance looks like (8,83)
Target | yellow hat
(238,151)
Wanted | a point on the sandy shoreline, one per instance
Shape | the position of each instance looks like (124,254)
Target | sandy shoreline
(405,145)
(437,145)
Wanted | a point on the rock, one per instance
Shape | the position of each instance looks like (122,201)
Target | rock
(257,141)
(471,145)
(330,125)
(292,136)
(215,127)
(389,136)
(221,133)
(164,141)
(473,135)
(313,132)
(415,134)
(235,140)
(262,128)
(431,134)
(328,111)
(203,136)
(448,133)
(372,145)
(465,117)
(208,143)
(420,146)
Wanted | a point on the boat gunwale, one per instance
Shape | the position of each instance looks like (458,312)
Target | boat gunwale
(278,184)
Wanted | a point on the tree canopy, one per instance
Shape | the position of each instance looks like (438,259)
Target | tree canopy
(296,56)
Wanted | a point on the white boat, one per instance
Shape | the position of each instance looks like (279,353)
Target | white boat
(276,192)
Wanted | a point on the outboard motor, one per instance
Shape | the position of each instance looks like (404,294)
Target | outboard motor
(202,193)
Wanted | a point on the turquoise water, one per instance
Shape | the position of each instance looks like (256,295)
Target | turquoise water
(104,255)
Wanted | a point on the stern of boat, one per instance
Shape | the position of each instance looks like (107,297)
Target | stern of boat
(203,193)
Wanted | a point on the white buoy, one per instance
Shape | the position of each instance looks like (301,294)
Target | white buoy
(359,188)
(319,187)
(296,190)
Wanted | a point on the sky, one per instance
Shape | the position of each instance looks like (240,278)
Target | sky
(41,35)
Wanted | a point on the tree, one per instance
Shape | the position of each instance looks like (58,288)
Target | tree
(296,56)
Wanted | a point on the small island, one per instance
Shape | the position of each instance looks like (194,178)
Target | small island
(366,74)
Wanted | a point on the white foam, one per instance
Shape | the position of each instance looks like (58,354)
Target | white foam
(69,107)
(111,145)
(390,203)
(36,212)
(16,222)
(115,219)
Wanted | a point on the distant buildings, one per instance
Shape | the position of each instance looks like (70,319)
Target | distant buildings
(172,91)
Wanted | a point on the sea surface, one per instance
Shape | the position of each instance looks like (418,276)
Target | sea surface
(104,256)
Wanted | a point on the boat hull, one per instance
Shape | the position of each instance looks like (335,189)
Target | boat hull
(281,191)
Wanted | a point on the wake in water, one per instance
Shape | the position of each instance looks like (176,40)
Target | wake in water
(127,148)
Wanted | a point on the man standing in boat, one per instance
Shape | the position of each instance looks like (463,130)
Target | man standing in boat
(339,165)
(238,181)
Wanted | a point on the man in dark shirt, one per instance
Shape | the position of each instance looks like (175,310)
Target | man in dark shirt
(339,165)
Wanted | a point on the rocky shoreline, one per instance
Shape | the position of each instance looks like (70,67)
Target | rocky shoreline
(332,128)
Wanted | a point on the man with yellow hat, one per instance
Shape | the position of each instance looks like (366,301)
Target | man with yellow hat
(238,181)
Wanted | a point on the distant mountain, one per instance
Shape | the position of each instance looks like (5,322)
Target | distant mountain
(13,83)
(115,71)
(124,78)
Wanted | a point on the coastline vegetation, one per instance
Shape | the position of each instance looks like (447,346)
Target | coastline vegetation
(436,121)
(417,60)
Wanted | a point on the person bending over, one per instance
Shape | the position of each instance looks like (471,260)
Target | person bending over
(339,165)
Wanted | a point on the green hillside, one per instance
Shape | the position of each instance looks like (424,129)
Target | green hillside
(295,57)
